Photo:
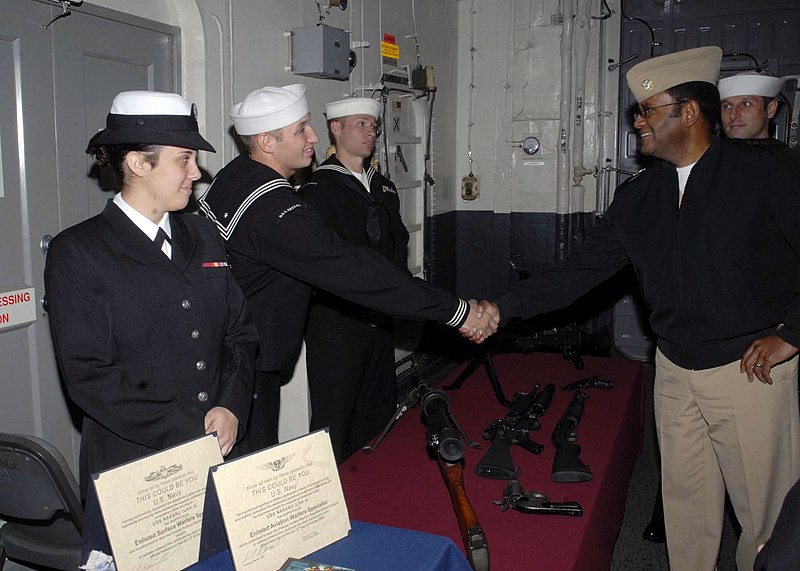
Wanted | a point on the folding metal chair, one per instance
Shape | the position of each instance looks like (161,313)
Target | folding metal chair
(40,502)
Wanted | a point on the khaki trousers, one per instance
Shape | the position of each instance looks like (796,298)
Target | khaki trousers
(718,431)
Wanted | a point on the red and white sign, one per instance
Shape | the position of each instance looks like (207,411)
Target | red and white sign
(17,307)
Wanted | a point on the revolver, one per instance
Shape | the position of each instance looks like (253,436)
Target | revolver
(531,502)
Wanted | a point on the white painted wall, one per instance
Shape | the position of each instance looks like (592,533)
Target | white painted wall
(231,47)
(516,57)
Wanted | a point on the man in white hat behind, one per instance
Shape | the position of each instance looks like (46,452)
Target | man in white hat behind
(749,101)
(279,247)
(349,348)
(719,266)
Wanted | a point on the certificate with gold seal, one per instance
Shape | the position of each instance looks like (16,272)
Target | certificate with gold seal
(285,501)
(153,507)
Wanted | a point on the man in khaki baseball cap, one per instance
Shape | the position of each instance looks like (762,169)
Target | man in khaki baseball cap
(661,73)
(713,421)
(710,227)
(667,86)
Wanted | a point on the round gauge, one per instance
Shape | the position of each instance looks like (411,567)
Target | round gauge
(531,145)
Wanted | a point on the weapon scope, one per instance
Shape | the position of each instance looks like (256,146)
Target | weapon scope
(442,436)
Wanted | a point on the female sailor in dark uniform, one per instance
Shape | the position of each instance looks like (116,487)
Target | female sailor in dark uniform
(153,337)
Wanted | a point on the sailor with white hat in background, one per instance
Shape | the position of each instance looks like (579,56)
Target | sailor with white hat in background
(349,348)
(749,101)
(279,248)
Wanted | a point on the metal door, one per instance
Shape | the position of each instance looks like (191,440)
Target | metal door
(57,88)
(95,56)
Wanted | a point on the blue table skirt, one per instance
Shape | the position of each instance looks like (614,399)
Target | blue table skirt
(371,547)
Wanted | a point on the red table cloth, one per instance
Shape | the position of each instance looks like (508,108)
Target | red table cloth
(399,484)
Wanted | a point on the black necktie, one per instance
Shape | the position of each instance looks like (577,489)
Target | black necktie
(161,237)
(373,222)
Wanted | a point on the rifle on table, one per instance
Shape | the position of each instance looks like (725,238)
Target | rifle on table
(537,503)
(567,465)
(568,339)
(444,440)
(514,429)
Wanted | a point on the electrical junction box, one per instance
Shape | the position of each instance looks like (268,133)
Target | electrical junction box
(321,51)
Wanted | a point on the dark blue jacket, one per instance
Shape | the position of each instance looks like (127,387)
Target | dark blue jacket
(146,345)
(718,272)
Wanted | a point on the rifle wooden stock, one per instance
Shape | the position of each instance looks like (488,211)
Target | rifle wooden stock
(474,540)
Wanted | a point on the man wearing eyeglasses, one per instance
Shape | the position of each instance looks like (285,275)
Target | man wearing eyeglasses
(711,230)
(349,348)
(749,101)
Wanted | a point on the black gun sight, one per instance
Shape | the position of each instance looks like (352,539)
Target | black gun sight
(442,436)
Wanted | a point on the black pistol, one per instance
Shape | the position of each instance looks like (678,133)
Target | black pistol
(530,502)
(567,465)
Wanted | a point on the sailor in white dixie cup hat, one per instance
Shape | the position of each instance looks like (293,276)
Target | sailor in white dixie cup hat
(749,101)
(269,109)
(353,392)
(353,106)
(353,129)
(275,126)
(254,207)
(153,338)
(279,247)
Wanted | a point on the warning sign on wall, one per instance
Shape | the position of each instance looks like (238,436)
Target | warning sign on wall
(390,51)
(17,307)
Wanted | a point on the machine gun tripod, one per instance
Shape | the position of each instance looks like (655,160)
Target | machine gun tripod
(571,340)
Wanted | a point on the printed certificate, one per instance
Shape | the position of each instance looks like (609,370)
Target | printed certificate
(153,507)
(283,502)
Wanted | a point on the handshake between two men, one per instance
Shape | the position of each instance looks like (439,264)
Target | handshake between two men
(482,322)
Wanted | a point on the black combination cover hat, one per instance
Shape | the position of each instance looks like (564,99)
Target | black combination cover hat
(151,118)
